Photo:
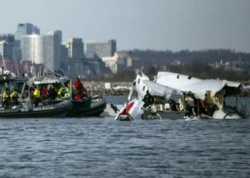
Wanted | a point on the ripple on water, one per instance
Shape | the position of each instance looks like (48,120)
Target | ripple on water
(108,148)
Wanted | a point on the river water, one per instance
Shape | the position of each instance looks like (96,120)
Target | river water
(103,147)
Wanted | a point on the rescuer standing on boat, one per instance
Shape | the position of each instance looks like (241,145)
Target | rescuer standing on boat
(5,103)
(44,92)
(78,84)
(31,90)
(52,92)
(14,97)
(79,87)
(64,92)
(36,95)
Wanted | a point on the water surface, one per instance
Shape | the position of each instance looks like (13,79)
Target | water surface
(103,147)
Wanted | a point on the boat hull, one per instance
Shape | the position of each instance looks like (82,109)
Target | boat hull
(87,108)
(52,111)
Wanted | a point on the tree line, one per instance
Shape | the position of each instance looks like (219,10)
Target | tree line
(148,58)
(196,68)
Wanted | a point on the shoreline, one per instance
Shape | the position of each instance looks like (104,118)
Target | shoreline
(108,88)
(123,88)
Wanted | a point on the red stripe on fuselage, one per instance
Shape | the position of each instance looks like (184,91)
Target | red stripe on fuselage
(127,109)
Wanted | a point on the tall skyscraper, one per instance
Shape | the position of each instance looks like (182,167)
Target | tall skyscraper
(25,29)
(7,37)
(42,49)
(22,30)
(75,48)
(64,53)
(6,45)
(59,32)
(36,30)
(101,48)
(6,49)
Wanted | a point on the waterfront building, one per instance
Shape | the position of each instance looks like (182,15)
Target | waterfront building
(104,48)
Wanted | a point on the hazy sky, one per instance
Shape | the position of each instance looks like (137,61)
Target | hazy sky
(141,24)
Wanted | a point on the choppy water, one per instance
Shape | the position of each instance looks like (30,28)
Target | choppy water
(108,148)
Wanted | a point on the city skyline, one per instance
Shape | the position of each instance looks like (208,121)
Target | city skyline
(140,24)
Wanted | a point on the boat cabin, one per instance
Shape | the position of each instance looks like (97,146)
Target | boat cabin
(19,85)
(57,82)
(47,82)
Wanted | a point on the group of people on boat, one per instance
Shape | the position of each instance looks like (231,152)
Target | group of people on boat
(6,96)
(38,93)
(62,93)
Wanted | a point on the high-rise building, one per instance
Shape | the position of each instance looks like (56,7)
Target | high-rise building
(59,32)
(25,29)
(64,53)
(6,49)
(7,37)
(16,53)
(101,48)
(6,45)
(42,49)
(75,48)
(36,30)
(22,30)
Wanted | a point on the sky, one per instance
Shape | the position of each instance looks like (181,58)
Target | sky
(138,24)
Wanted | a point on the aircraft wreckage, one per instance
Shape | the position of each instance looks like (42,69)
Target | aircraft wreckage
(176,96)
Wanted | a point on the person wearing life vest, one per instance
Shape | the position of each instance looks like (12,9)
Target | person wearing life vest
(64,92)
(36,95)
(78,97)
(44,92)
(14,97)
(6,96)
(78,84)
(80,90)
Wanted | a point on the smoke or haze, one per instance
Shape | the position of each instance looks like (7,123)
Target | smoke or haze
(141,24)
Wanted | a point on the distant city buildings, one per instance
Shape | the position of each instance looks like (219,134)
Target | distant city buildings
(129,59)
(234,65)
(25,29)
(59,32)
(75,48)
(16,52)
(22,30)
(7,37)
(64,53)
(6,45)
(27,47)
(87,67)
(6,49)
(101,48)
(118,62)
(42,49)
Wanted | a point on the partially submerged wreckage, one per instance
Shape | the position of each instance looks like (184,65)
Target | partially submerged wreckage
(175,96)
